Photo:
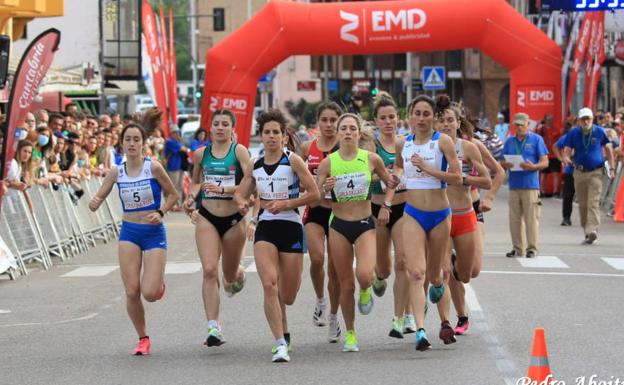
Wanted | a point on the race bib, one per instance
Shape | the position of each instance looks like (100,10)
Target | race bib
(137,195)
(272,187)
(221,181)
(351,185)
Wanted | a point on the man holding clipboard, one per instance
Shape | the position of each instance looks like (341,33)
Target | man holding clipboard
(525,154)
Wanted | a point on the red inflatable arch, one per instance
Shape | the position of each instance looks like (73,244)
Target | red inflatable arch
(282,29)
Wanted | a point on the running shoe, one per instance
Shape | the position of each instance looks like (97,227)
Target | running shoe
(447,334)
(236,286)
(409,324)
(422,343)
(366,302)
(436,293)
(334,329)
(379,286)
(319,318)
(566,222)
(215,337)
(143,348)
(280,353)
(287,338)
(397,327)
(351,342)
(462,326)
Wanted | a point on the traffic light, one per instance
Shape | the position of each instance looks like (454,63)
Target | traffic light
(198,94)
(373,88)
(218,19)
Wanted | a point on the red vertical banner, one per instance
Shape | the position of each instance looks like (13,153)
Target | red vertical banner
(590,57)
(599,58)
(579,54)
(31,70)
(173,78)
(153,50)
(164,54)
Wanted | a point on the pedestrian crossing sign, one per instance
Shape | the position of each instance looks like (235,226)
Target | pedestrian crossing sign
(434,78)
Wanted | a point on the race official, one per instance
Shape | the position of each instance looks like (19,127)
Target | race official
(524,201)
(588,141)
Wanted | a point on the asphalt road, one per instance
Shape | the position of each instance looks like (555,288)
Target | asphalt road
(68,325)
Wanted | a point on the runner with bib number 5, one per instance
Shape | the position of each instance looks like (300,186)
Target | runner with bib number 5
(143,240)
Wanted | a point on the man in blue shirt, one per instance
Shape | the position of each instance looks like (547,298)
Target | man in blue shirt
(588,141)
(174,151)
(524,201)
(501,129)
(567,192)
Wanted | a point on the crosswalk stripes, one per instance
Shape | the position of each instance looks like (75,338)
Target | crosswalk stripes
(543,262)
(182,268)
(616,263)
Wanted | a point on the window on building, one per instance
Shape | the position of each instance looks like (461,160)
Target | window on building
(359,62)
(400,62)
(454,60)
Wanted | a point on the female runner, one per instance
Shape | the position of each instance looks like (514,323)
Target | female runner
(347,174)
(143,239)
(278,243)
(429,162)
(219,227)
(316,222)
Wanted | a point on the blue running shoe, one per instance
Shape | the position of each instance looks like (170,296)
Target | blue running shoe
(422,343)
(436,293)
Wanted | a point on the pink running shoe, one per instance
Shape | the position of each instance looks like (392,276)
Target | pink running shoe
(143,348)
(462,326)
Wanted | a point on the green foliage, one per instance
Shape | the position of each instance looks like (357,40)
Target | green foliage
(181,32)
(303,111)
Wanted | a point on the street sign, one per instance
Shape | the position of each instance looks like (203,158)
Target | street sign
(332,85)
(434,78)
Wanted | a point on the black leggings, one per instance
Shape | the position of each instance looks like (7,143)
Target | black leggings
(568,195)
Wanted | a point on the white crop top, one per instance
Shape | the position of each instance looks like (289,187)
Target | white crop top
(415,178)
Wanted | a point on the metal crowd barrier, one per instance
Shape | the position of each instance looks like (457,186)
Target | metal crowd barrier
(610,189)
(59,226)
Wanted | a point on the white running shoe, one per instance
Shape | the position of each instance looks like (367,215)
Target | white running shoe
(319,318)
(334,332)
(280,353)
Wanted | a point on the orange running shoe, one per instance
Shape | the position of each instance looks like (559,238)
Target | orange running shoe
(143,348)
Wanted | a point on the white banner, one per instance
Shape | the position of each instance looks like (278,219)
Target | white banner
(7,260)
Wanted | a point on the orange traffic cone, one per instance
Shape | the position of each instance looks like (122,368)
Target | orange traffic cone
(539,370)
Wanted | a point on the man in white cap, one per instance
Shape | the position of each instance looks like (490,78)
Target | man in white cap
(524,202)
(501,129)
(588,142)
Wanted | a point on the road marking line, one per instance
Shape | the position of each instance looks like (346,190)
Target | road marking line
(543,262)
(471,299)
(4,311)
(616,263)
(182,268)
(90,271)
(251,268)
(552,273)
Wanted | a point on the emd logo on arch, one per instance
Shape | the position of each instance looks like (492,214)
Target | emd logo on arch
(381,24)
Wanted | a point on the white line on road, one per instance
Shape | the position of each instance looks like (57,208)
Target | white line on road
(616,263)
(471,299)
(182,268)
(251,268)
(552,273)
(543,262)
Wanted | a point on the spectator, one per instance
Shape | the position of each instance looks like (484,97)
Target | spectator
(71,107)
(550,134)
(567,193)
(200,139)
(105,121)
(42,117)
(491,141)
(524,201)
(116,118)
(92,124)
(484,122)
(56,122)
(19,175)
(588,141)
(174,150)
(30,122)
(502,128)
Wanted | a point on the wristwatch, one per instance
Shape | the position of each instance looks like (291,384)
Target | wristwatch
(465,181)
